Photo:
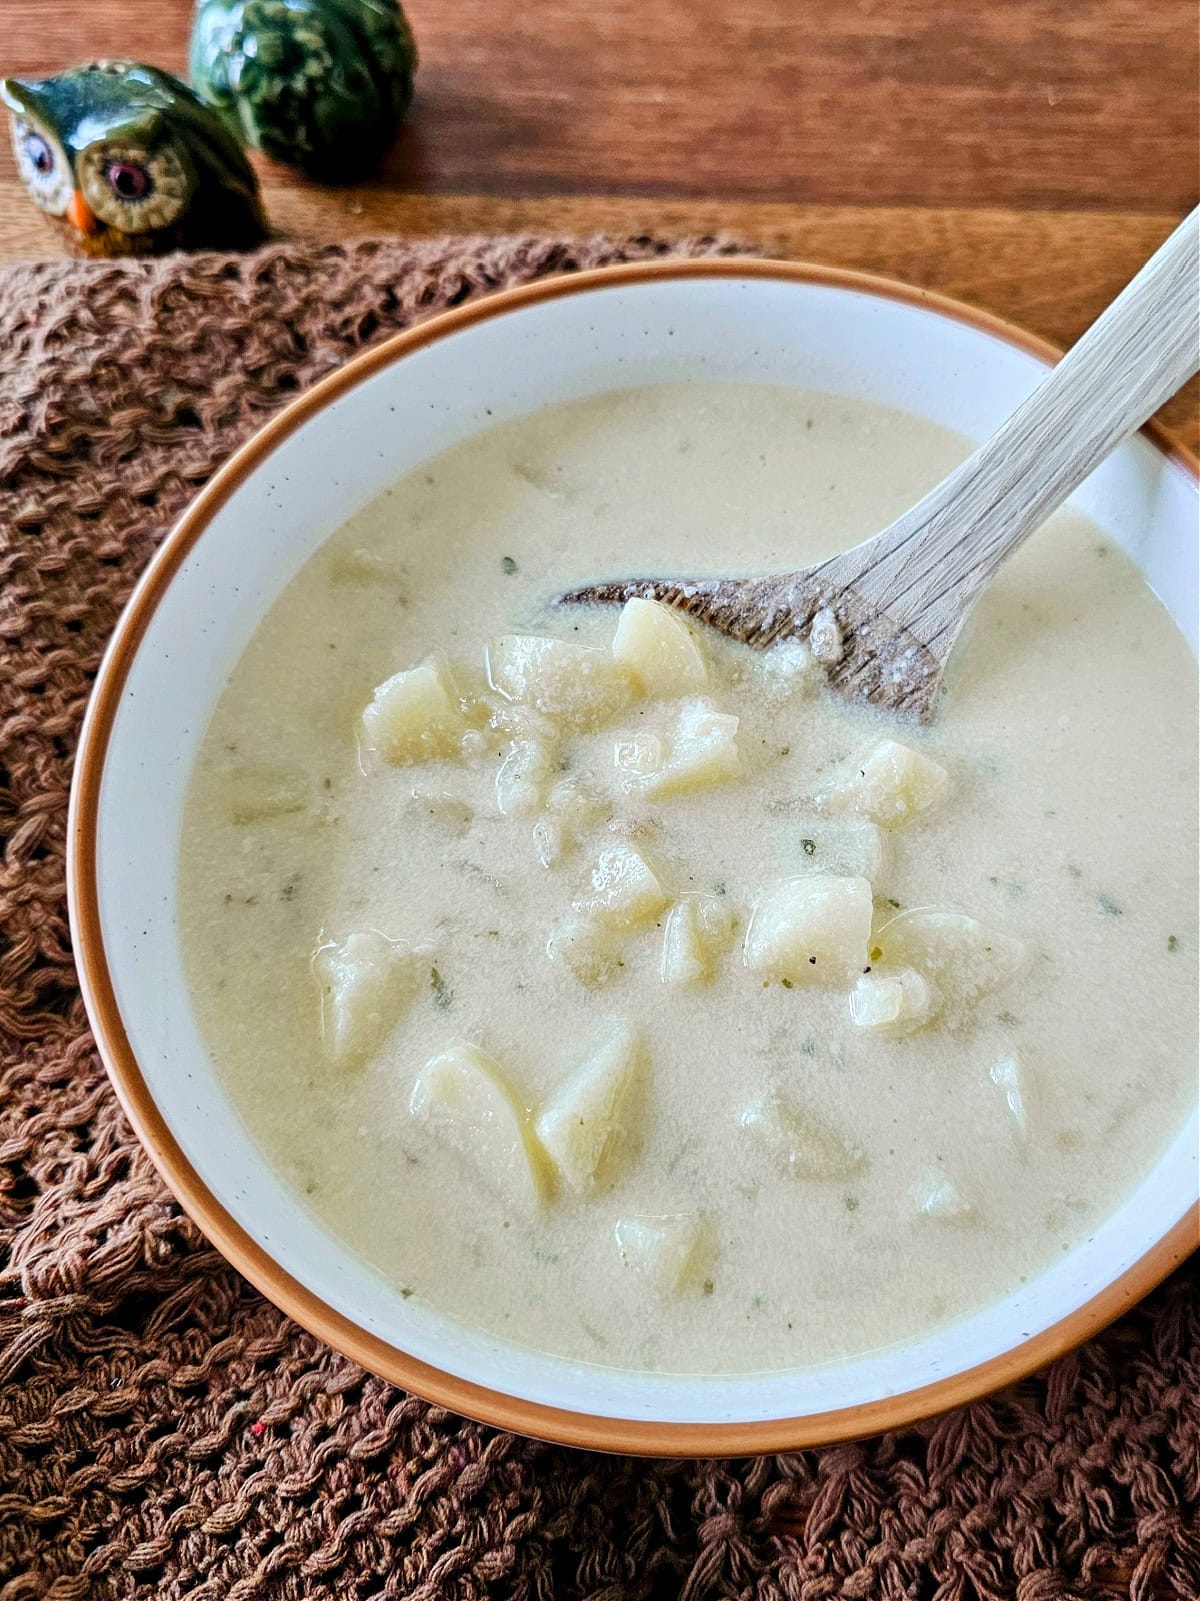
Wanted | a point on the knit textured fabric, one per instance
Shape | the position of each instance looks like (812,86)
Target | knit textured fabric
(164,1431)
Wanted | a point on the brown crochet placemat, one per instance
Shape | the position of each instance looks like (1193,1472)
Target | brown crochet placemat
(165,1433)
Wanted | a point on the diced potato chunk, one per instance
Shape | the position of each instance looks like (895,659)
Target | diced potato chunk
(575,805)
(697,930)
(415,716)
(513,720)
(572,809)
(361,566)
(637,757)
(685,961)
(585,949)
(658,649)
(366,980)
(937,1196)
(674,1251)
(825,638)
(1014,1079)
(803,1145)
(891,1003)
(580,687)
(586,1124)
(813,930)
(715,916)
(960,958)
(521,781)
(846,846)
(464,1099)
(625,891)
(450,812)
(702,751)
(549,841)
(788,669)
(892,785)
(259,794)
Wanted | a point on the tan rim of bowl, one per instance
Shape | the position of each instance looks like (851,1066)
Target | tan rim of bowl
(377,1355)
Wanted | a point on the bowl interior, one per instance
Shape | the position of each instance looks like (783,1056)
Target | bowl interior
(256,527)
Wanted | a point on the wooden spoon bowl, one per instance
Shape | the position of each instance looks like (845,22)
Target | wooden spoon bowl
(883,617)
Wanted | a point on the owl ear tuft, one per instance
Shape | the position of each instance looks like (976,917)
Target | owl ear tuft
(19,95)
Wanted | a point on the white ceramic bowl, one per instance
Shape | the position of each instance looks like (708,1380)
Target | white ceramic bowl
(232,553)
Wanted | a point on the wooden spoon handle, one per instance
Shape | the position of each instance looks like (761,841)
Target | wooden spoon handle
(935,560)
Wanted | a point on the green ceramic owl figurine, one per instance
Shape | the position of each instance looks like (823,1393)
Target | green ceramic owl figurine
(320,84)
(130,162)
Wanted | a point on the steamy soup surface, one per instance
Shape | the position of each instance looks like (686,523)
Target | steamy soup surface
(613,988)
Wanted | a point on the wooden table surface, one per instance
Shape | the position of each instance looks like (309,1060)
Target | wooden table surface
(1024,155)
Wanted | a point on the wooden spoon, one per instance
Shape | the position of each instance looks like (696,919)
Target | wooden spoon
(884,616)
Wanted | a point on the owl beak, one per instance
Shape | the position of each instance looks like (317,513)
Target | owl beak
(81,215)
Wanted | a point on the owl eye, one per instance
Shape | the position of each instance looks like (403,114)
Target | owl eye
(133,189)
(39,154)
(128,180)
(42,166)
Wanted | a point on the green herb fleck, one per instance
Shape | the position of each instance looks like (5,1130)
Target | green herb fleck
(311,1187)
(1172,942)
(508,565)
(443,996)
(757,1302)
(809,1047)
(406,1290)
(809,847)
(785,750)
(288,892)
(787,983)
(1009,1019)
(708,1286)
(1075,872)
(1010,886)
(852,1203)
(487,878)
(892,902)
(1109,907)
(719,889)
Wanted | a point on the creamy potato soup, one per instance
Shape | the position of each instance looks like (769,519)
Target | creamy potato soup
(613,987)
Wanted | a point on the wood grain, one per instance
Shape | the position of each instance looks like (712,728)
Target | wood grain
(1052,272)
(1026,157)
(936,102)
